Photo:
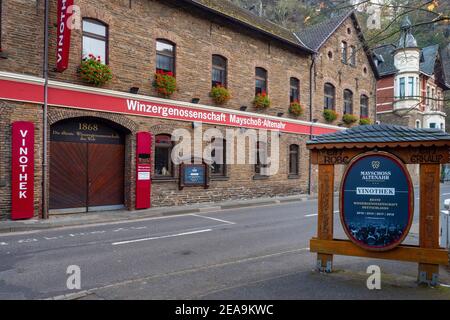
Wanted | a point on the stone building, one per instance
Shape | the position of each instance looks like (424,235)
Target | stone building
(412,83)
(91,131)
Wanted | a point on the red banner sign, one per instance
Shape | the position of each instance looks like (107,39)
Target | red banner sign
(22,170)
(122,104)
(63,35)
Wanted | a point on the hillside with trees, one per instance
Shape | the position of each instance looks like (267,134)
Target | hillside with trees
(430,17)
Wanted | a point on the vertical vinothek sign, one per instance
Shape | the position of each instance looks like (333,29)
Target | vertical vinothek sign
(143,170)
(22,170)
(63,35)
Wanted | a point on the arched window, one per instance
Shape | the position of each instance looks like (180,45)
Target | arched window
(353,56)
(218,155)
(344,51)
(364,105)
(418,124)
(95,39)
(165,56)
(293,160)
(163,159)
(294,90)
(348,102)
(260,80)
(219,71)
(330,96)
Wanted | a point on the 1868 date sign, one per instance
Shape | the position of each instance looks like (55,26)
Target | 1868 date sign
(376,201)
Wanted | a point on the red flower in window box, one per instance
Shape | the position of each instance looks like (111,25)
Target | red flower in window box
(93,71)
(261,101)
(165,83)
(296,108)
(220,94)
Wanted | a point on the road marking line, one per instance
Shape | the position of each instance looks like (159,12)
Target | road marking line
(311,215)
(162,237)
(138,228)
(215,219)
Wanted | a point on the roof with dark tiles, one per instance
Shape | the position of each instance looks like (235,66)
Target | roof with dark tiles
(386,66)
(428,54)
(316,35)
(379,134)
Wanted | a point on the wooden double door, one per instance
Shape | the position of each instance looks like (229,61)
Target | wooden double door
(86,174)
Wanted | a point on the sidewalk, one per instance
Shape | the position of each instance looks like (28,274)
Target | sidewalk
(80,219)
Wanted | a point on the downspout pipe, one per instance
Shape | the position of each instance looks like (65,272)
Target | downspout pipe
(45,117)
(311,91)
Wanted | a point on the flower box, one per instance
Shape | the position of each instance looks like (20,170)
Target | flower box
(165,83)
(261,101)
(93,71)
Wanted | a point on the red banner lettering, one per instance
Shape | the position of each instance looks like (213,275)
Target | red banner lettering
(22,170)
(63,35)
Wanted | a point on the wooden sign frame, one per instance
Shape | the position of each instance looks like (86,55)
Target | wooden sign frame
(428,254)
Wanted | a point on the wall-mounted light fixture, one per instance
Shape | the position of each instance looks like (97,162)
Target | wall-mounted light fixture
(134,90)
(195,100)
(243,108)
(280,114)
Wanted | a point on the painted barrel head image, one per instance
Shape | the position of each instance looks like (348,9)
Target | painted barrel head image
(376,201)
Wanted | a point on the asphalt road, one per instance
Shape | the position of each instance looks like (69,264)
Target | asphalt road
(249,253)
